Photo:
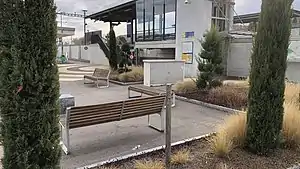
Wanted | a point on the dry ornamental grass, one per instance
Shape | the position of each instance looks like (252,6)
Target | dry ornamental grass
(181,157)
(135,75)
(232,132)
(187,86)
(146,164)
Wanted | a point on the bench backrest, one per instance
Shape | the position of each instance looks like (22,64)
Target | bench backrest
(114,111)
(101,72)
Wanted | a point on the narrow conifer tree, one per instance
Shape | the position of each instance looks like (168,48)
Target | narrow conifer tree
(29,86)
(113,58)
(267,78)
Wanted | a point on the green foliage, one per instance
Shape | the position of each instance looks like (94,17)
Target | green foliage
(29,86)
(267,78)
(125,53)
(210,60)
(112,45)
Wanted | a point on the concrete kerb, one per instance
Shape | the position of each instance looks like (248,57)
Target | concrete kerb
(213,106)
(114,160)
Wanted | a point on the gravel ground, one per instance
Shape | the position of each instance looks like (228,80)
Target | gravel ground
(203,158)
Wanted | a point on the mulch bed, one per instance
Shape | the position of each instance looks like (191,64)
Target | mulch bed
(236,99)
(203,158)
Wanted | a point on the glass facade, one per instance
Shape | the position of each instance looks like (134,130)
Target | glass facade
(219,16)
(156,20)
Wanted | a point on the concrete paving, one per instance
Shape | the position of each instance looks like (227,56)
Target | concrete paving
(102,142)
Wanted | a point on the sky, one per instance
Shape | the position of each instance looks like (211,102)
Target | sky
(71,6)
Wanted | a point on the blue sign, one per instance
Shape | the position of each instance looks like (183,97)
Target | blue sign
(189,34)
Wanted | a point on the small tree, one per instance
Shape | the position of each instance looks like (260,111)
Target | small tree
(210,61)
(267,77)
(112,45)
(29,86)
(125,53)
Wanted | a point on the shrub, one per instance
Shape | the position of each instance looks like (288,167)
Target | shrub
(187,86)
(231,96)
(135,75)
(124,54)
(149,164)
(29,85)
(291,125)
(180,157)
(210,60)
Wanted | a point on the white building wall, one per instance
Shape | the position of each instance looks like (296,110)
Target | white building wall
(75,52)
(93,54)
(196,17)
(96,55)
(239,59)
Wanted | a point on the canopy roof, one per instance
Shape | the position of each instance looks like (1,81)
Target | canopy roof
(253,17)
(65,31)
(120,11)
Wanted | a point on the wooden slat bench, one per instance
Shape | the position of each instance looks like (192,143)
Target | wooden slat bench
(77,117)
(99,74)
(142,89)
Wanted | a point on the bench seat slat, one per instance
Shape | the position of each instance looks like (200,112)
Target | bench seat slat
(142,108)
(94,77)
(137,115)
(99,118)
(142,100)
(130,110)
(112,110)
(142,104)
(90,123)
(105,105)
(95,115)
(115,111)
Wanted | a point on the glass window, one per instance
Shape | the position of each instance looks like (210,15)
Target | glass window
(155,20)
(219,17)
(148,19)
(140,20)
(170,19)
(158,19)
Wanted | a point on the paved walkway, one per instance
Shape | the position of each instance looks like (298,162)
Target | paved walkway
(76,71)
(102,142)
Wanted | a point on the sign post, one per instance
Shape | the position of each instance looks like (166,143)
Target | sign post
(168,126)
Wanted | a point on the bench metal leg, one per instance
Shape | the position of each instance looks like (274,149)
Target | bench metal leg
(85,81)
(173,100)
(130,97)
(101,87)
(162,121)
(65,147)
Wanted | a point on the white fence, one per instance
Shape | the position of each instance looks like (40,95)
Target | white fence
(93,54)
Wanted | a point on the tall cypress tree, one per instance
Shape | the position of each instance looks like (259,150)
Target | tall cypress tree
(267,78)
(29,86)
(113,58)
